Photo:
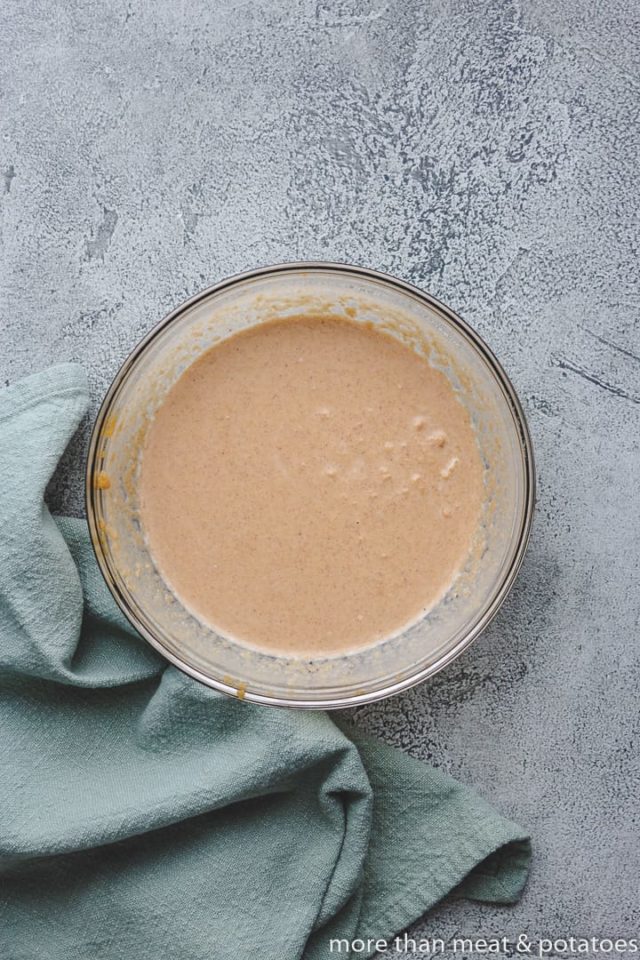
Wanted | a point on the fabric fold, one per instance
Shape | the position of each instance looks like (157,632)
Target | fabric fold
(144,815)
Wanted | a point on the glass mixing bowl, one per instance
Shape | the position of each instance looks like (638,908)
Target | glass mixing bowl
(398,662)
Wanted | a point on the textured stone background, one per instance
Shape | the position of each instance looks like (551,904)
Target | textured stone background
(486,151)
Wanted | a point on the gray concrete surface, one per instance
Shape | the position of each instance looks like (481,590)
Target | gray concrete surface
(486,151)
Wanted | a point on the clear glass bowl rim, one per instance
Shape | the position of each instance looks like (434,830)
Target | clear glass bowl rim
(503,585)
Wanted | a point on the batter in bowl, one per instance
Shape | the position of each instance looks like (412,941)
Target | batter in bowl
(310,486)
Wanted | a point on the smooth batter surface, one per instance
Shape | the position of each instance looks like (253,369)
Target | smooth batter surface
(310,486)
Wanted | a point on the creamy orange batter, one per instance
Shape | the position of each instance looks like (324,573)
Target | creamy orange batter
(310,486)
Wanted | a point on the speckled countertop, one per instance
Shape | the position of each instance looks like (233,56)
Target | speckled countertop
(485,151)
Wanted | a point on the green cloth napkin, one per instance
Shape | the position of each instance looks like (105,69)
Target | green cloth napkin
(144,817)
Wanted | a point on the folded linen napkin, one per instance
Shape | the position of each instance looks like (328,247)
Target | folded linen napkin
(146,816)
